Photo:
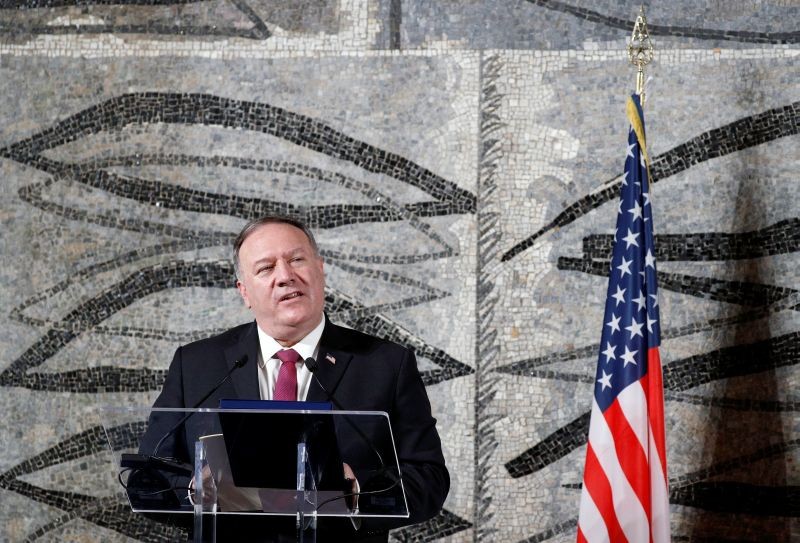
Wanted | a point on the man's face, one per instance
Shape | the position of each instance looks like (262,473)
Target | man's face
(282,281)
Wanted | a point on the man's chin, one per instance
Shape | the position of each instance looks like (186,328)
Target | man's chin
(297,324)
(295,314)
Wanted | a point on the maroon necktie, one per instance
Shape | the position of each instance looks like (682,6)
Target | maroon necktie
(286,385)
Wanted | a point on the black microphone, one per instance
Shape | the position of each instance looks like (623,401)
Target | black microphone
(153,461)
(240,362)
(312,366)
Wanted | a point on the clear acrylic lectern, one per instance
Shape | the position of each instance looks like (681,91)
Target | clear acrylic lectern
(203,463)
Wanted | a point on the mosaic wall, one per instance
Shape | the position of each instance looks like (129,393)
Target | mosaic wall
(460,163)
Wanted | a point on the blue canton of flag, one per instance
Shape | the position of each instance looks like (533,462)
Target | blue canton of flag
(631,317)
(624,496)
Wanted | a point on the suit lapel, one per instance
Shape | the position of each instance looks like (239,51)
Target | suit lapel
(332,363)
(245,379)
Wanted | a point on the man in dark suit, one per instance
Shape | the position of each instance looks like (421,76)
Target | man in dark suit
(280,277)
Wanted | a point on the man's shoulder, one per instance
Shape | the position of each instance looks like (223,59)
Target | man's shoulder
(222,340)
(357,340)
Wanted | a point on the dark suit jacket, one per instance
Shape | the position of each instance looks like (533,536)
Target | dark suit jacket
(369,374)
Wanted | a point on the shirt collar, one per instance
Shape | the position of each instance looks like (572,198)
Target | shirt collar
(306,347)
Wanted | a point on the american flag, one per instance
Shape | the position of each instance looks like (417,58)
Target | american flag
(624,496)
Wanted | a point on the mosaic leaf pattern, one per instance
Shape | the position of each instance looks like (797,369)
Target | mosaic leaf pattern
(459,162)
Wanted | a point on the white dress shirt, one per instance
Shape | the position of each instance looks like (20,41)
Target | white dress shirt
(268,365)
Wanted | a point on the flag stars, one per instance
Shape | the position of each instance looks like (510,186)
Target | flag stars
(649,259)
(629,357)
(631,239)
(641,301)
(619,296)
(635,328)
(625,266)
(650,323)
(610,353)
(631,320)
(614,323)
(605,380)
(636,211)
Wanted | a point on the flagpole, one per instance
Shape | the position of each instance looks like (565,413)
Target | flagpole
(640,51)
(640,54)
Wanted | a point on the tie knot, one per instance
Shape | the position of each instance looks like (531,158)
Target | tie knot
(288,355)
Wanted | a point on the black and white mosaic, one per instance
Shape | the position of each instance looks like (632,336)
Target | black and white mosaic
(460,164)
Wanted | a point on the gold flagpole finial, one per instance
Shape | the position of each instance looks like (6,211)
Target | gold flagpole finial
(640,50)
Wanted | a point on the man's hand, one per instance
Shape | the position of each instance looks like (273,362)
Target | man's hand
(350,477)
(209,488)
(352,503)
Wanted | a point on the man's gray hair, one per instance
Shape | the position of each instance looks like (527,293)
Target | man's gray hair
(253,225)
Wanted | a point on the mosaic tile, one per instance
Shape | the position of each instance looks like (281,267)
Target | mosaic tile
(460,163)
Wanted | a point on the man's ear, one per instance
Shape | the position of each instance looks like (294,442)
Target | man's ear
(243,293)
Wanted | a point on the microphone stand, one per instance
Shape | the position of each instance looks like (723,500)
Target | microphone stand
(312,365)
(147,469)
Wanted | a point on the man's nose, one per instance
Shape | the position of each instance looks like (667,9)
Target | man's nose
(284,274)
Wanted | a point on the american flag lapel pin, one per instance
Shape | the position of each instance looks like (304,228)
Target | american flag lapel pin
(330,358)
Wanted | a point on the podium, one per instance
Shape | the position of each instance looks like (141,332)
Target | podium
(271,466)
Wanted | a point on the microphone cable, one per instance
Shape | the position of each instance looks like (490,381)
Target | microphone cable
(312,365)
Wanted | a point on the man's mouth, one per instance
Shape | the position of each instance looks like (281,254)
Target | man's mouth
(291,296)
